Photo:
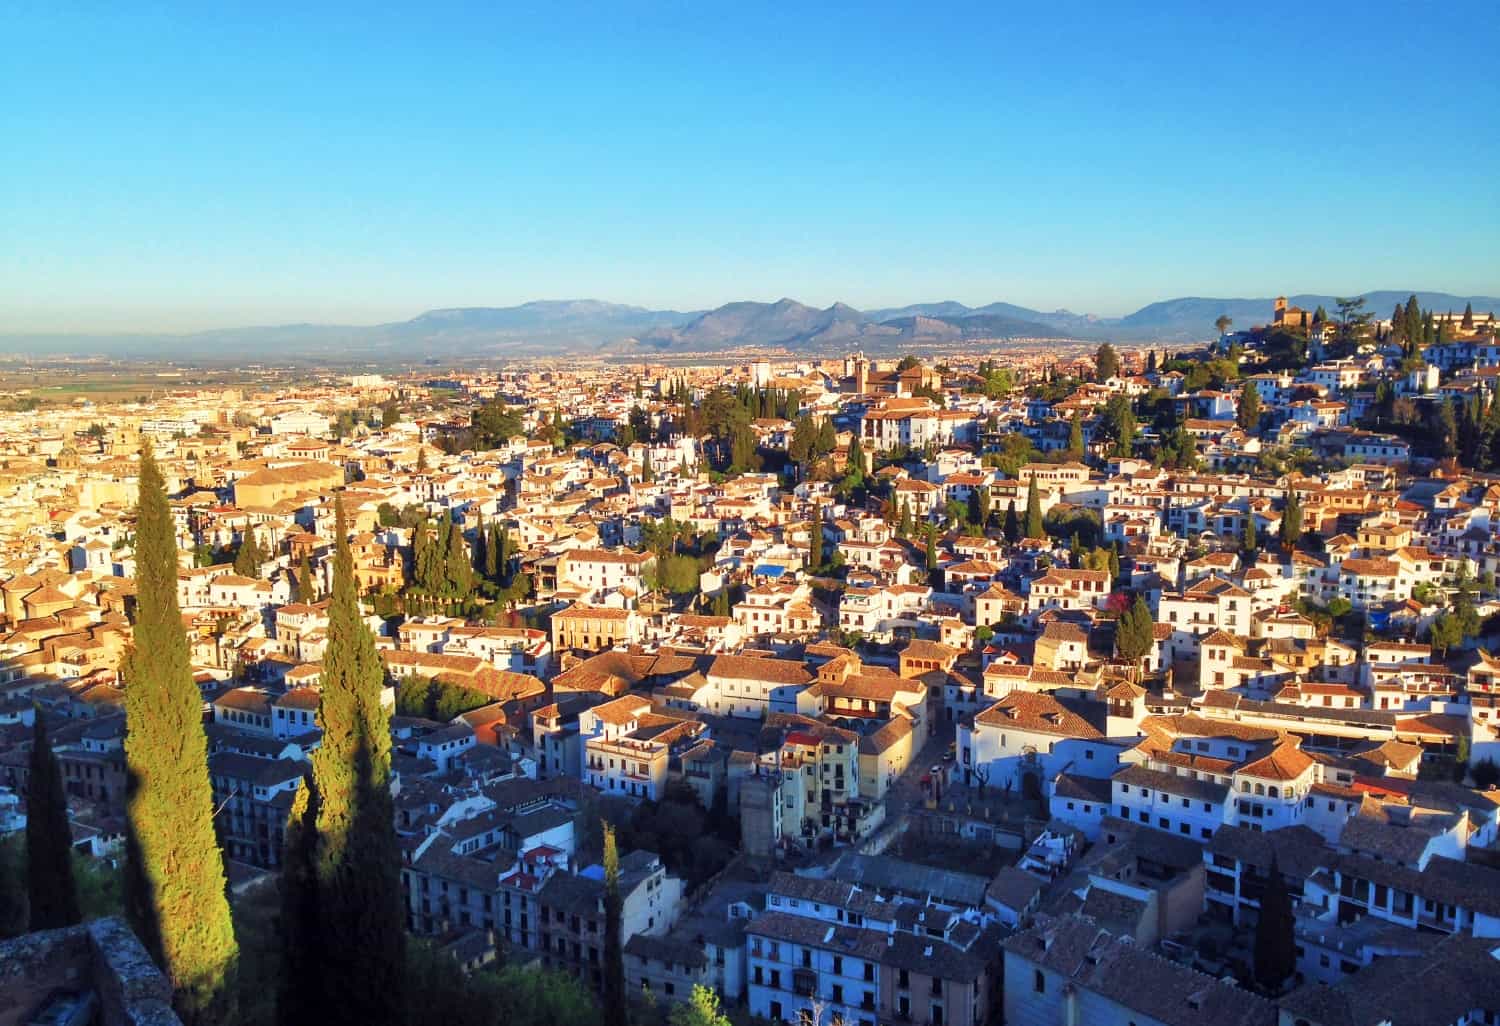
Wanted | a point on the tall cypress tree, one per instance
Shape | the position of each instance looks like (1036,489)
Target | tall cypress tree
(481,545)
(362,939)
(298,993)
(50,887)
(458,576)
(248,559)
(1034,528)
(1291,519)
(175,895)
(307,584)
(815,544)
(494,554)
(614,958)
(1012,526)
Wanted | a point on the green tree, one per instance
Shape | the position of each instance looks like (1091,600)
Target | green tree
(494,424)
(458,565)
(176,897)
(1135,632)
(1467,324)
(1118,423)
(614,958)
(931,549)
(1291,519)
(481,545)
(358,862)
(248,559)
(979,507)
(906,525)
(390,415)
(1248,415)
(51,891)
(815,544)
(1034,528)
(1223,322)
(307,584)
(1249,541)
(1075,436)
(1011,529)
(700,1009)
(1275,940)
(1106,363)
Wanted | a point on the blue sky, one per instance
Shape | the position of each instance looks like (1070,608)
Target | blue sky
(171,167)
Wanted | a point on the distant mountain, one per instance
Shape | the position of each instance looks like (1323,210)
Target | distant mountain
(553,326)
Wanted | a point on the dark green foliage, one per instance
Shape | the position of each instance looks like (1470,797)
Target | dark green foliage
(1106,363)
(51,891)
(1248,415)
(815,543)
(1075,436)
(1134,632)
(439,993)
(493,424)
(99,885)
(481,545)
(1291,519)
(436,700)
(1249,540)
(248,559)
(307,584)
(1275,942)
(358,861)
(1065,520)
(1034,528)
(1012,526)
(614,991)
(175,886)
(1118,424)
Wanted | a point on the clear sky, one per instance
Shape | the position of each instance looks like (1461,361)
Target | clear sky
(172,167)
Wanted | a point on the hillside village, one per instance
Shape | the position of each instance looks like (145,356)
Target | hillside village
(1144,686)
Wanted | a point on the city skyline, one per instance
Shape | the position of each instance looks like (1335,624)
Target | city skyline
(197,172)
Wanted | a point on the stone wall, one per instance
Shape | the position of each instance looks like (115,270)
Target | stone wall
(102,956)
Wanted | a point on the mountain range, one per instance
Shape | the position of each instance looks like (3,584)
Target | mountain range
(587,325)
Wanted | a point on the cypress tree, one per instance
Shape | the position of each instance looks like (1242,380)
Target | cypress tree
(492,558)
(1075,435)
(906,526)
(1034,528)
(175,895)
(614,958)
(1275,933)
(307,585)
(1291,519)
(1012,526)
(248,559)
(481,545)
(458,566)
(1135,632)
(362,939)
(50,887)
(297,995)
(1248,415)
(815,544)
(932,552)
(1249,542)
(1467,324)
